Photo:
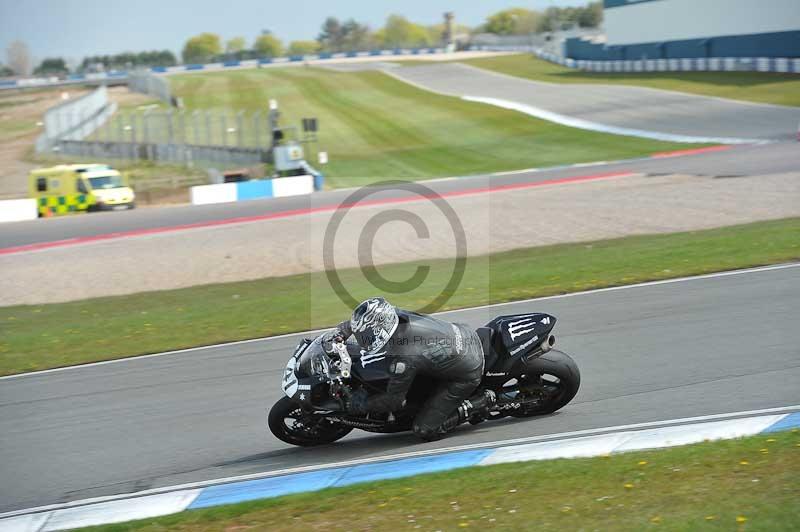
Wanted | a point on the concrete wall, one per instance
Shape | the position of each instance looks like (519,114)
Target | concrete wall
(636,21)
(255,189)
(783,44)
(17,210)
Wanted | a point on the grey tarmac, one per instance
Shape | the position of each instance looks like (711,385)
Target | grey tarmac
(766,159)
(621,106)
(651,352)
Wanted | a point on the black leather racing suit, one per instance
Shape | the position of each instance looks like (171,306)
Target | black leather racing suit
(451,353)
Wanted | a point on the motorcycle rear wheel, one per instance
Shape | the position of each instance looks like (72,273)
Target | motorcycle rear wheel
(290,424)
(550,382)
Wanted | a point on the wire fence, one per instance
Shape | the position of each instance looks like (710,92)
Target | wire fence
(200,128)
(145,82)
(206,139)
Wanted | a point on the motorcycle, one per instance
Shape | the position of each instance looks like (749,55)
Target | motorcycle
(527,376)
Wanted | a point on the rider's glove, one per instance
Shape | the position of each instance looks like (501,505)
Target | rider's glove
(357,402)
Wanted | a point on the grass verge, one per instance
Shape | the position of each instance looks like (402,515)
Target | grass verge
(374,126)
(761,87)
(46,336)
(745,484)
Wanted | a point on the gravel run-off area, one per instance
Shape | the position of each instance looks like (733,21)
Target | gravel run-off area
(498,221)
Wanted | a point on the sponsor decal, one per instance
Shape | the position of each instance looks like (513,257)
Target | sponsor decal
(524,346)
(521,327)
(367,358)
(490,374)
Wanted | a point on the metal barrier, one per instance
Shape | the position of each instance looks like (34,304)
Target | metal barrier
(185,154)
(693,64)
(75,119)
(145,82)
(124,76)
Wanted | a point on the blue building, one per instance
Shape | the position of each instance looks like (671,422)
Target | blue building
(666,29)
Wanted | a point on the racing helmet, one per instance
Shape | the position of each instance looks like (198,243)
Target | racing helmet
(373,323)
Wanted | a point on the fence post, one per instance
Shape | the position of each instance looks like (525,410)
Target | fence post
(170,129)
(182,126)
(240,128)
(195,127)
(224,125)
(208,128)
(257,129)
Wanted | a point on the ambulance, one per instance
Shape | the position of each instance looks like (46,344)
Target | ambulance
(70,188)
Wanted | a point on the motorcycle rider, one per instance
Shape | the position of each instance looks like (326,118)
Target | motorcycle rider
(416,343)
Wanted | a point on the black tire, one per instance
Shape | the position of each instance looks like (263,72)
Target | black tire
(555,377)
(319,431)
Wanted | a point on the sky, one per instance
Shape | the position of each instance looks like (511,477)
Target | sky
(76,28)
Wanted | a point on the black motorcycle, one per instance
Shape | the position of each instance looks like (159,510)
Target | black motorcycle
(528,377)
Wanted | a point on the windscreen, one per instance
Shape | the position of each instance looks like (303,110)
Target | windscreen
(106,181)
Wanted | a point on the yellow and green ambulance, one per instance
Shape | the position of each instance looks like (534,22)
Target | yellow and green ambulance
(70,188)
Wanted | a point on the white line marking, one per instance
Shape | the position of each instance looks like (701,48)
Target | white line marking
(412,454)
(580,123)
(492,305)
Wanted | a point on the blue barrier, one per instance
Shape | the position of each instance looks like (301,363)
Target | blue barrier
(296,58)
(194,67)
(158,69)
(254,189)
(231,63)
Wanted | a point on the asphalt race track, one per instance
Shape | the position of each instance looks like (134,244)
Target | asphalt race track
(701,346)
(622,106)
(730,162)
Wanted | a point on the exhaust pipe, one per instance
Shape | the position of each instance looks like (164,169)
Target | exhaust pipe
(546,346)
(548,343)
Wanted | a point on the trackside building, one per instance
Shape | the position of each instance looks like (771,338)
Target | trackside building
(671,29)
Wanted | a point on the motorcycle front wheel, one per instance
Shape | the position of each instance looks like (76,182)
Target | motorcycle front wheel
(290,424)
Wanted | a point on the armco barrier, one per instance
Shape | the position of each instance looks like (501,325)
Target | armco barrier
(255,189)
(695,64)
(118,76)
(16,210)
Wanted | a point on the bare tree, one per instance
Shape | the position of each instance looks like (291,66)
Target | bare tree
(19,58)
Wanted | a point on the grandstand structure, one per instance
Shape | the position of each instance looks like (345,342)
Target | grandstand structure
(676,29)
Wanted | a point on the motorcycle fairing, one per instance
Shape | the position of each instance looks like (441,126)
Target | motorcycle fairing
(369,367)
(522,333)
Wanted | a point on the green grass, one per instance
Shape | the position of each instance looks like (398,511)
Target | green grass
(376,127)
(761,87)
(46,336)
(745,484)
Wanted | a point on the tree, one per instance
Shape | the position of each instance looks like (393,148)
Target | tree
(398,31)
(202,48)
(514,21)
(267,45)
(5,71)
(591,16)
(303,47)
(51,66)
(330,36)
(237,44)
(19,58)
(355,36)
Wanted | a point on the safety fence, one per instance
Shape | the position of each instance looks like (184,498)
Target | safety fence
(693,64)
(144,82)
(213,139)
(184,154)
(75,119)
